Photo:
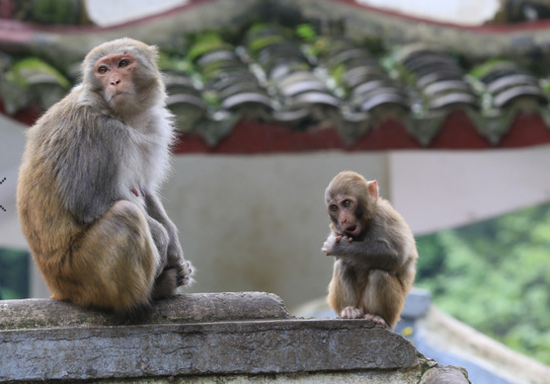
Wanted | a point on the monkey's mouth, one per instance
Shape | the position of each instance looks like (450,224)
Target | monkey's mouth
(119,95)
(352,230)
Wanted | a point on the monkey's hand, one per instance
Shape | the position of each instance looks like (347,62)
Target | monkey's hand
(185,273)
(336,245)
(184,269)
(329,247)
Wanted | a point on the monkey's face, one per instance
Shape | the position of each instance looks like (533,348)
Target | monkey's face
(115,73)
(343,211)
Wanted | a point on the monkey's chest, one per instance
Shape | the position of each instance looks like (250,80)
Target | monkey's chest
(145,160)
(141,170)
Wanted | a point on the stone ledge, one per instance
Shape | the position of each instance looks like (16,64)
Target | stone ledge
(187,308)
(252,347)
(200,336)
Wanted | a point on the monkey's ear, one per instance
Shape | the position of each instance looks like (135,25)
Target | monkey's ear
(373,188)
(154,50)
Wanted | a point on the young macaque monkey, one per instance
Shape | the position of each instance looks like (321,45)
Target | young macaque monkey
(374,250)
(88,186)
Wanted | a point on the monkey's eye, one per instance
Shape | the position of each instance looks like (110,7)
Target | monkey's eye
(333,208)
(123,63)
(347,203)
(102,69)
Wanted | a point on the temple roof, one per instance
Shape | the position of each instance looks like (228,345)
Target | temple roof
(291,81)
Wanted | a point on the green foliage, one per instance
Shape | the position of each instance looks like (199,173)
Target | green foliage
(261,42)
(488,66)
(206,42)
(175,63)
(306,32)
(55,11)
(24,69)
(495,276)
(14,274)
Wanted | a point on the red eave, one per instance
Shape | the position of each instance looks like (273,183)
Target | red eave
(457,133)
(255,137)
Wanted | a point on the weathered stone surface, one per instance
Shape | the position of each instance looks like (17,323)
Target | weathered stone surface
(253,347)
(245,337)
(196,334)
(188,308)
(411,376)
(445,375)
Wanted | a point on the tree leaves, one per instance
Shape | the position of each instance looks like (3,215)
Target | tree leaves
(495,276)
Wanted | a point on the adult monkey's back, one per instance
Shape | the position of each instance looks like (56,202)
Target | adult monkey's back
(87,194)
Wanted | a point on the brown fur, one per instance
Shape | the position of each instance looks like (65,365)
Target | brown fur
(375,270)
(95,242)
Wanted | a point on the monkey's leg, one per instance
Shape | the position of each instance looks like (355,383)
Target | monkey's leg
(114,264)
(161,240)
(171,272)
(166,284)
(343,295)
(174,254)
(384,298)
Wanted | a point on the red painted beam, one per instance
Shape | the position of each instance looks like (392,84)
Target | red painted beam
(255,137)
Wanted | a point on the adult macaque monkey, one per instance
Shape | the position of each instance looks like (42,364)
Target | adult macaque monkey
(374,249)
(87,192)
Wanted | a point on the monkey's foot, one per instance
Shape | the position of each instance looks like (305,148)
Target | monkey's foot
(165,284)
(185,272)
(352,313)
(376,320)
